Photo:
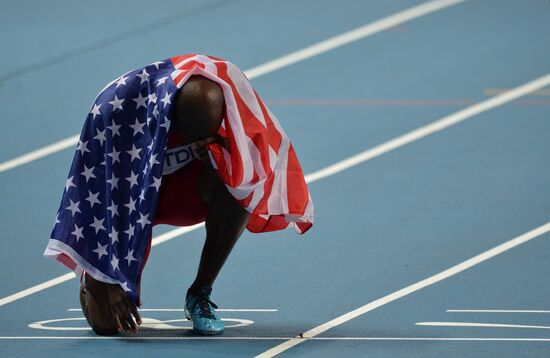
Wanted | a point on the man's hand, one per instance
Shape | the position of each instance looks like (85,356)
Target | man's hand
(123,309)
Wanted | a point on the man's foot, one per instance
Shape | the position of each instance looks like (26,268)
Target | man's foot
(200,310)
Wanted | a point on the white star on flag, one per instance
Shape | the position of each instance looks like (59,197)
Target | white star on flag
(143,220)
(114,262)
(113,235)
(56,220)
(101,250)
(142,194)
(88,173)
(121,81)
(130,257)
(113,181)
(113,209)
(137,127)
(153,160)
(114,155)
(166,99)
(161,80)
(82,147)
(117,103)
(100,136)
(156,64)
(77,232)
(130,232)
(69,183)
(144,76)
(156,183)
(155,111)
(131,206)
(134,153)
(166,123)
(140,100)
(92,198)
(125,287)
(114,128)
(73,207)
(153,97)
(98,224)
(132,179)
(95,110)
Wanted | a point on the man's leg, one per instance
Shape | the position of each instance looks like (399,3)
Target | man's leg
(225,222)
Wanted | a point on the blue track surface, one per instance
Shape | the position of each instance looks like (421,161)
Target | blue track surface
(380,226)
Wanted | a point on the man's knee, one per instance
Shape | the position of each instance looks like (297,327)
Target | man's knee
(198,109)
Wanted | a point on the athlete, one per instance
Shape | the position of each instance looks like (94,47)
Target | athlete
(191,136)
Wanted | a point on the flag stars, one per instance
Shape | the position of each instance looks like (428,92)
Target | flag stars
(114,156)
(113,209)
(130,257)
(162,80)
(153,97)
(125,287)
(155,111)
(114,263)
(137,127)
(157,64)
(93,198)
(166,99)
(56,219)
(153,160)
(98,224)
(143,220)
(114,236)
(121,81)
(132,179)
(100,136)
(69,183)
(88,173)
(82,147)
(113,181)
(166,123)
(77,232)
(117,103)
(131,206)
(114,128)
(144,76)
(134,153)
(95,110)
(101,250)
(140,101)
(131,231)
(73,207)
(156,183)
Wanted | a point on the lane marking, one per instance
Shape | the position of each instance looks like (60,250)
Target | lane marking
(500,311)
(475,324)
(182,310)
(274,65)
(236,338)
(484,256)
(347,163)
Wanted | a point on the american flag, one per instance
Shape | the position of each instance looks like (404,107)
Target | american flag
(104,223)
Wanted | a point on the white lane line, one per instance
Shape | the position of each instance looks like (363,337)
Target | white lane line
(436,126)
(351,36)
(357,159)
(182,310)
(228,338)
(484,256)
(476,324)
(40,153)
(499,311)
(68,276)
(274,65)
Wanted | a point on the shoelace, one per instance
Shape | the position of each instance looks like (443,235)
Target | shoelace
(204,305)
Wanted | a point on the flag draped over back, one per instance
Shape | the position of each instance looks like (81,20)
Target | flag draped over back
(104,222)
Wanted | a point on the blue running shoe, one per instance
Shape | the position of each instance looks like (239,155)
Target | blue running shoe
(200,310)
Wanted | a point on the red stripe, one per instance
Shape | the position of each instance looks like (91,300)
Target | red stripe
(297,193)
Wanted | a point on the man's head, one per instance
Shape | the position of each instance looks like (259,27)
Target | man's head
(198,109)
